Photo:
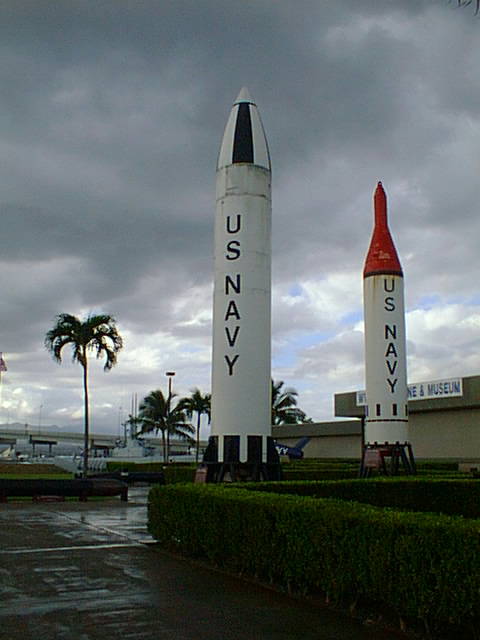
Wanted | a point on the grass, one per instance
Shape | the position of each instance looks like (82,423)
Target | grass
(36,476)
(14,471)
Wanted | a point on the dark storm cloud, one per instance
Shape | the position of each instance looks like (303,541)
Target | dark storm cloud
(111,115)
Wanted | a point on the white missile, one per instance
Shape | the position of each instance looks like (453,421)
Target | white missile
(385,341)
(241,369)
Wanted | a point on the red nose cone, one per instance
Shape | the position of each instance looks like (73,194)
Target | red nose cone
(382,256)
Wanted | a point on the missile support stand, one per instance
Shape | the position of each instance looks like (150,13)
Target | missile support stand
(399,454)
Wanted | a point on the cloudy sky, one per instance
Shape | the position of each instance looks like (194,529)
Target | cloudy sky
(111,116)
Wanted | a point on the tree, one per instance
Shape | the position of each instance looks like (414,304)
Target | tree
(284,405)
(466,3)
(199,404)
(156,414)
(97,333)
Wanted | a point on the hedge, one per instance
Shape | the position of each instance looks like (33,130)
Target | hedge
(122,465)
(295,471)
(446,496)
(437,465)
(325,460)
(304,470)
(173,472)
(320,462)
(318,473)
(422,566)
(35,469)
(317,469)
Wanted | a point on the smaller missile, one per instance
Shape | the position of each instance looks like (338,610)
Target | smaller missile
(385,339)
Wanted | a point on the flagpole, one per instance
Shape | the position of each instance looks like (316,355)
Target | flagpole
(3,367)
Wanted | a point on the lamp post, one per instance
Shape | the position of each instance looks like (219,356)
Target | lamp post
(40,418)
(169,375)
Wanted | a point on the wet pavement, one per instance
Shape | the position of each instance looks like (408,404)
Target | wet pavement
(88,571)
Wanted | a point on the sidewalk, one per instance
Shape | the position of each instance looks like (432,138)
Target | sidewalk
(85,571)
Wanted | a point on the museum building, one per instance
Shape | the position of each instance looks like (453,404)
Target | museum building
(444,423)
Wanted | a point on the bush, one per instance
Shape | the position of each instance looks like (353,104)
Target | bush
(176,473)
(172,472)
(447,496)
(338,469)
(354,463)
(119,465)
(434,465)
(326,461)
(422,565)
(318,469)
(36,469)
(315,473)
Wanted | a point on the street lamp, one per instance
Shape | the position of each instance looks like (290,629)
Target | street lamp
(40,418)
(169,375)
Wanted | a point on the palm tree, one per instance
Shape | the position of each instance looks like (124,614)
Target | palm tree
(96,333)
(466,3)
(156,414)
(178,425)
(199,404)
(284,405)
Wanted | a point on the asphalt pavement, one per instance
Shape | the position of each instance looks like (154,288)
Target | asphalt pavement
(90,571)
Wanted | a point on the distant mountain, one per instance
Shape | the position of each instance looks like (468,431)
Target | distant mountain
(32,427)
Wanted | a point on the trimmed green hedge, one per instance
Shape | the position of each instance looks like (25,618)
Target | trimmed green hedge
(173,472)
(423,566)
(318,469)
(35,469)
(338,469)
(318,473)
(438,465)
(295,471)
(325,461)
(447,496)
(119,465)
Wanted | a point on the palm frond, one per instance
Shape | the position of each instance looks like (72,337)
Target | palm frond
(284,405)
(467,3)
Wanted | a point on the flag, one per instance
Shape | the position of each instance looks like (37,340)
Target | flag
(3,366)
